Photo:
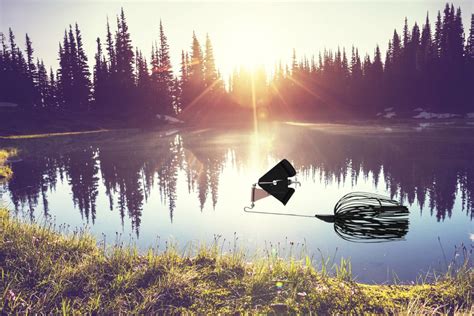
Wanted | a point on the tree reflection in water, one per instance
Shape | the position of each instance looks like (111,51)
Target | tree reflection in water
(425,168)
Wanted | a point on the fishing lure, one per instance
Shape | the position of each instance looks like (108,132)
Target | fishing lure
(357,216)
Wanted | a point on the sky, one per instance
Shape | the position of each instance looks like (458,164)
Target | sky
(245,33)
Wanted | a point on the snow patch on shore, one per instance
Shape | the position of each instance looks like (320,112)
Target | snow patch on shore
(430,115)
(387,113)
(169,119)
(8,105)
(422,126)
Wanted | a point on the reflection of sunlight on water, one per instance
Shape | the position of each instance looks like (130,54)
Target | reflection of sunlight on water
(299,123)
(260,145)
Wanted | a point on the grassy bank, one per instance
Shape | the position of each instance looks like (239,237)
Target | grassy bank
(5,171)
(43,271)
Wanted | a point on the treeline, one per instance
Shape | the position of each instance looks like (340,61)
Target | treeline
(423,68)
(431,68)
(122,82)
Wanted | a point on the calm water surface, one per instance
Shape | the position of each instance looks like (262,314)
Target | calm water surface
(192,186)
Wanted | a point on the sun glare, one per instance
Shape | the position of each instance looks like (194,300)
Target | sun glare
(250,46)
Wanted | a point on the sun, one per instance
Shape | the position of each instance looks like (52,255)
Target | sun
(253,53)
(250,45)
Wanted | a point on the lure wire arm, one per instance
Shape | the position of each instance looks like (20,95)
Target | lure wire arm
(274,182)
(249,210)
(252,198)
(295,182)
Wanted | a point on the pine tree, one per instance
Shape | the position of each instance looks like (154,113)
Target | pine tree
(97,67)
(469,76)
(142,70)
(338,60)
(13,47)
(406,34)
(196,65)
(143,84)
(425,43)
(123,79)
(396,48)
(414,49)
(65,80)
(294,63)
(81,74)
(446,33)
(427,55)
(43,84)
(72,51)
(108,104)
(458,38)
(188,64)
(377,65)
(155,64)
(124,52)
(111,49)
(356,74)
(165,76)
(51,100)
(4,51)
(183,82)
(3,66)
(72,101)
(100,77)
(29,57)
(210,71)
(388,57)
(345,66)
(437,36)
(376,81)
(470,41)
(195,85)
(356,70)
(6,71)
(458,69)
(176,93)
(313,65)
(31,90)
(184,68)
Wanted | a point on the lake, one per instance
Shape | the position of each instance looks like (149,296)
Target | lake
(191,185)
